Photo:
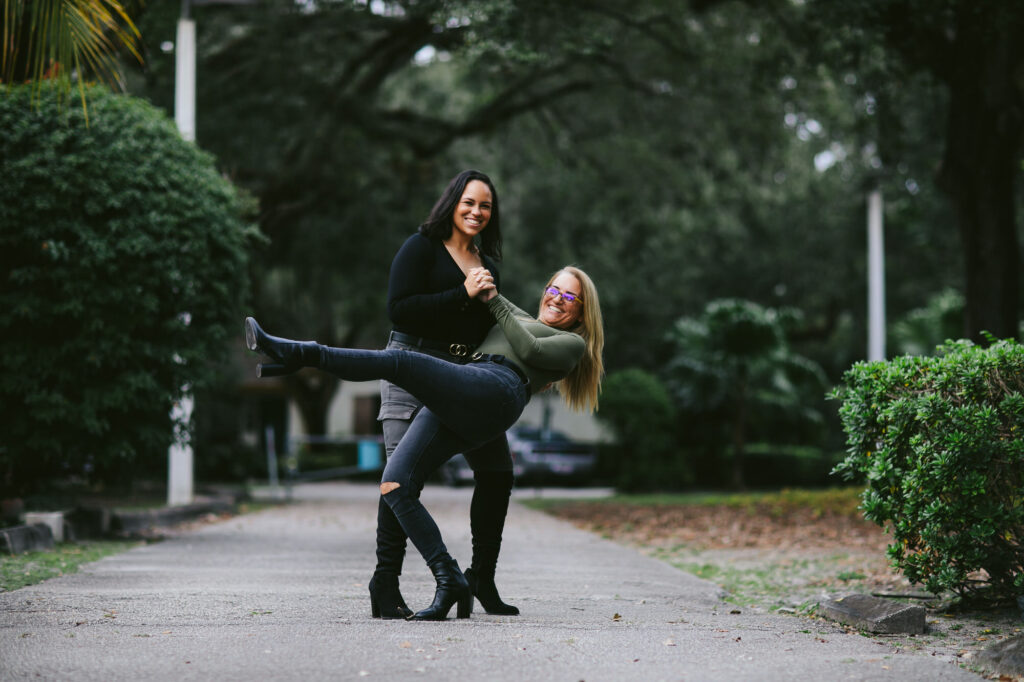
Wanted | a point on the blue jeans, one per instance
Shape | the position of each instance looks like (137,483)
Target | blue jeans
(465,406)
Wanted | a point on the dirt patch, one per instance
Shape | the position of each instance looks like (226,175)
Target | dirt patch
(787,558)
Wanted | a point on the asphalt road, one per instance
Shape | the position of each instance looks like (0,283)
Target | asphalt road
(281,595)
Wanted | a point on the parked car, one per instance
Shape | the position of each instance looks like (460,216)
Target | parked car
(538,457)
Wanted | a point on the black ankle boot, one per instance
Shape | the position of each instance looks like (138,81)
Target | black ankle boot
(385,599)
(486,592)
(287,355)
(451,588)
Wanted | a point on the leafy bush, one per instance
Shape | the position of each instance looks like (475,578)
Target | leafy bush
(639,410)
(735,381)
(125,262)
(939,441)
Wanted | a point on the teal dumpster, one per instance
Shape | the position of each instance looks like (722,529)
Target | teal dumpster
(369,455)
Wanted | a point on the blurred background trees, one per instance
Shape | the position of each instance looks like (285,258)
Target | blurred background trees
(681,152)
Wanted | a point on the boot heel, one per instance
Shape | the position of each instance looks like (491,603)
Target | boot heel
(465,606)
(385,600)
(263,371)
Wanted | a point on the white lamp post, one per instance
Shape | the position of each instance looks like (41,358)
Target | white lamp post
(185,75)
(179,457)
(876,277)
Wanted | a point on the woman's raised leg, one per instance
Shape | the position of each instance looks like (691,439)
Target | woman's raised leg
(478,400)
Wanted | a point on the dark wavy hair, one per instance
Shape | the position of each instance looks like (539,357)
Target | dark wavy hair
(438,224)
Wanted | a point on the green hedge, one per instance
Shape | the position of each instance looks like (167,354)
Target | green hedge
(125,265)
(639,410)
(939,442)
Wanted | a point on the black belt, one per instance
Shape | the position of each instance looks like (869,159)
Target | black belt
(501,360)
(459,350)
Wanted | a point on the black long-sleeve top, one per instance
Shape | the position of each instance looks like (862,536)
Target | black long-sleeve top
(427,296)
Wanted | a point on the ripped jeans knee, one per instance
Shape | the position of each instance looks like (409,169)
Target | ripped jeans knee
(403,496)
(400,495)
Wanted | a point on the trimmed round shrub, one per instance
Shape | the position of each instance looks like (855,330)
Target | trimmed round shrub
(940,442)
(639,410)
(125,263)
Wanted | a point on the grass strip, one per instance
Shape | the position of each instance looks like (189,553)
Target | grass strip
(20,570)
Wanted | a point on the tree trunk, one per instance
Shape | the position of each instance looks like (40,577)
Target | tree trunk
(981,166)
(739,428)
(312,392)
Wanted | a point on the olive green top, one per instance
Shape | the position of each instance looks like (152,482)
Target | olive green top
(545,354)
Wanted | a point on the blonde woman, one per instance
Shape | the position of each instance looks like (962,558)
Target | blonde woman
(465,405)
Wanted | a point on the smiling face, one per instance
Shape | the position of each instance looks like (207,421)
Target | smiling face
(473,211)
(557,312)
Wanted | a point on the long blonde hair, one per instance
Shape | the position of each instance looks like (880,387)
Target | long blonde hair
(582,385)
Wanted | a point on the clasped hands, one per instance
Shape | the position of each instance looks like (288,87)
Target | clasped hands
(480,284)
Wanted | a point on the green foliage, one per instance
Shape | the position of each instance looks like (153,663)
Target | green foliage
(126,264)
(940,442)
(738,385)
(62,41)
(639,410)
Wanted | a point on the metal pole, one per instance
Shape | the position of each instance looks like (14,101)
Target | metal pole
(876,278)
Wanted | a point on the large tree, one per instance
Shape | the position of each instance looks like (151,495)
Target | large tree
(973,48)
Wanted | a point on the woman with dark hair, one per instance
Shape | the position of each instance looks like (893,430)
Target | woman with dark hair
(434,305)
(466,405)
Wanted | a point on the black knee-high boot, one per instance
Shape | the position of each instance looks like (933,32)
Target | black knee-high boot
(385,598)
(288,355)
(487,522)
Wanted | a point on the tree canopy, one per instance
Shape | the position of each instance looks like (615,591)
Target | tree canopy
(679,152)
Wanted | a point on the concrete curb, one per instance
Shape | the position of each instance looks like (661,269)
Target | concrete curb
(1006,657)
(874,614)
(21,539)
(104,522)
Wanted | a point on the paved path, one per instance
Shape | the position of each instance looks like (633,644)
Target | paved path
(281,595)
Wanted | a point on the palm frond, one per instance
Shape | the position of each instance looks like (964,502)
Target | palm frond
(65,41)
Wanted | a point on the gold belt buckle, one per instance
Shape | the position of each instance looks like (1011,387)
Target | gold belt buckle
(459,350)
